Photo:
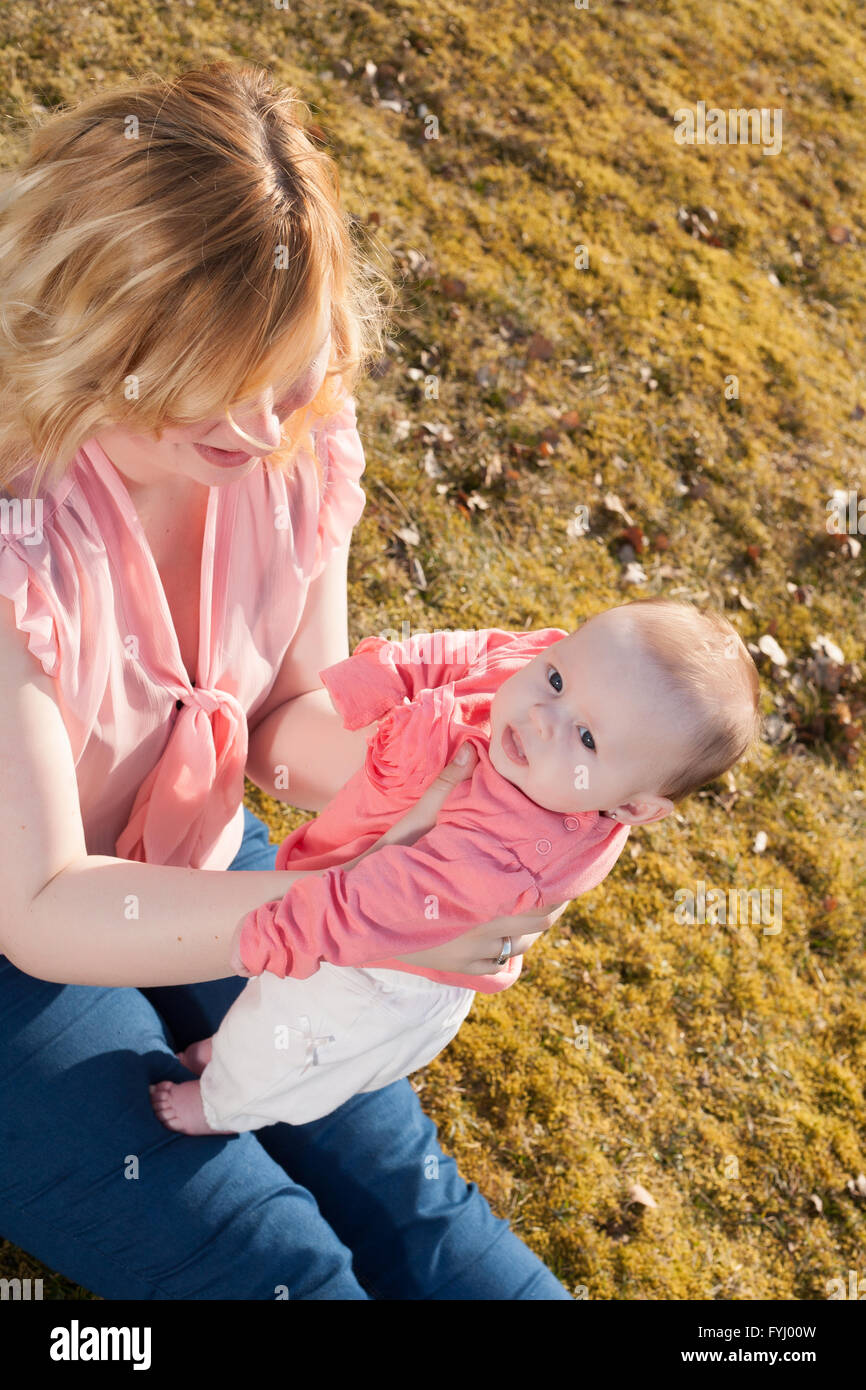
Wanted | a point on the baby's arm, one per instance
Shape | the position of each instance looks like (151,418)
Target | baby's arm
(380,674)
(400,899)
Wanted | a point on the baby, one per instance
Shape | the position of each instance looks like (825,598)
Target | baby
(579,736)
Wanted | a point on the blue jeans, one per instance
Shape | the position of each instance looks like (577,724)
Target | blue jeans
(361,1204)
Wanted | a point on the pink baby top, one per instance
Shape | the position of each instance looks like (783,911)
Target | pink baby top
(493,852)
(160,762)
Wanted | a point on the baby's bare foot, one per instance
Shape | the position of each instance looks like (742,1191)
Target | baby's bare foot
(178,1105)
(197,1055)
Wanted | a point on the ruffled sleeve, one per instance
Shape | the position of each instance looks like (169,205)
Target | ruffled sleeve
(365,685)
(33,613)
(342,456)
(381,674)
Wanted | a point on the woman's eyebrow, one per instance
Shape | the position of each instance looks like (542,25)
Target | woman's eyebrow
(286,384)
(312,358)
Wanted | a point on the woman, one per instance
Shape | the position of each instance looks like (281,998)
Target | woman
(177,568)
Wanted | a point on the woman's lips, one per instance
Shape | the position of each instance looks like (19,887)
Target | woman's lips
(512,746)
(223,458)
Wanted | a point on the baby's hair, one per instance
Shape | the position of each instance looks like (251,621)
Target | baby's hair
(167,247)
(704,664)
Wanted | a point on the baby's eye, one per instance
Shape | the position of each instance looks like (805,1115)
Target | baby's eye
(591,743)
(552,671)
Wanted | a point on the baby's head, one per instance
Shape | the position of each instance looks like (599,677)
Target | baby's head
(636,709)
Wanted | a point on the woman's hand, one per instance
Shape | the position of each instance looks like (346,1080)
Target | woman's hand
(476,951)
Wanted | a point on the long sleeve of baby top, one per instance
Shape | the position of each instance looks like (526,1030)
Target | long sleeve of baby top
(493,851)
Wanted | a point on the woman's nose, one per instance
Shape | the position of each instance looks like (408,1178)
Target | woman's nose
(257,418)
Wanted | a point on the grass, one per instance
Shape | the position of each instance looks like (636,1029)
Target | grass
(718,1066)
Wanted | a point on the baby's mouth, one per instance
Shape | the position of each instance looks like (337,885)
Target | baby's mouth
(513,746)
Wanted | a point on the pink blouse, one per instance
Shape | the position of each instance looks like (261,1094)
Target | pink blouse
(159,760)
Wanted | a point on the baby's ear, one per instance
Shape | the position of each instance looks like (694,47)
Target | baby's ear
(645,810)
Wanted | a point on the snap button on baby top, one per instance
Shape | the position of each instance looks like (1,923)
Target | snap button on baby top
(543,846)
(571,822)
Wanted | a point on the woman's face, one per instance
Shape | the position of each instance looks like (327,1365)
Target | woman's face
(212,452)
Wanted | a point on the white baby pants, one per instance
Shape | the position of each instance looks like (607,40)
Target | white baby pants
(294,1050)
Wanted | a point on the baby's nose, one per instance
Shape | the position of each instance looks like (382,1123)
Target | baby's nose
(540,721)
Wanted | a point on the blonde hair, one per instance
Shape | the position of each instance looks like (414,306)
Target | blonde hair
(704,665)
(166,248)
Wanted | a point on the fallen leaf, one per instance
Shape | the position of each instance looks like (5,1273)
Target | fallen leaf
(492,469)
(612,504)
(452,288)
(776,729)
(770,647)
(430,466)
(636,538)
(539,348)
(637,1193)
(634,574)
(825,647)
(442,432)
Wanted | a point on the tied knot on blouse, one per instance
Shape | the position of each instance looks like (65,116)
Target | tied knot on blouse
(196,786)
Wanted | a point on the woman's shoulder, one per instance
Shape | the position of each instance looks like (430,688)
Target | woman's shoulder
(340,497)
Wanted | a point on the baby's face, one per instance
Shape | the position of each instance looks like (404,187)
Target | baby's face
(582,726)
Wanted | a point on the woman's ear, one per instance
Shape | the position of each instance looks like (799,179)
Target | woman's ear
(642,810)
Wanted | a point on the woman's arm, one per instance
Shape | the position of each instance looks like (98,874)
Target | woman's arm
(302,754)
(299,751)
(75,918)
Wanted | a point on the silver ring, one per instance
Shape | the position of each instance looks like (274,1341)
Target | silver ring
(506,950)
